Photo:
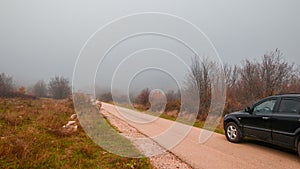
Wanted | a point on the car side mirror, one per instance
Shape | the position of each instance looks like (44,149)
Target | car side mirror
(249,109)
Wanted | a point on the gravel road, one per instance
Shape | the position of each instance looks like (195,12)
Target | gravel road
(217,152)
(165,160)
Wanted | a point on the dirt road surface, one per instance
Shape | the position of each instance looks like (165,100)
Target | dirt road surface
(217,152)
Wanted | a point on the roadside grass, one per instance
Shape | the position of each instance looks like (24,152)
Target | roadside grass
(197,123)
(200,124)
(105,134)
(31,137)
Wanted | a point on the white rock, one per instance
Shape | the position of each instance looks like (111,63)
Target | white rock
(73,116)
(75,128)
(70,123)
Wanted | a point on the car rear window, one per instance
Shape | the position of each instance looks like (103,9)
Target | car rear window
(289,106)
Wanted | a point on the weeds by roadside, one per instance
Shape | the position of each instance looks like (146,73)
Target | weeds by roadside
(32,137)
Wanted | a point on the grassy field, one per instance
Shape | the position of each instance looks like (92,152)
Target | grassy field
(32,137)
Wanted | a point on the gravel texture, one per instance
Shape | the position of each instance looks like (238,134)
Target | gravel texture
(164,159)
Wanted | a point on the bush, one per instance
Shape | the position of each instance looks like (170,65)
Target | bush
(6,84)
(59,87)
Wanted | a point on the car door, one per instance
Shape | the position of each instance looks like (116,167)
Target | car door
(286,122)
(258,123)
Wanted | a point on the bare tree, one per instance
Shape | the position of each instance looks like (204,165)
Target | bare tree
(231,74)
(272,75)
(228,73)
(40,89)
(292,85)
(6,84)
(59,87)
(250,82)
(106,97)
(199,79)
(171,95)
(275,72)
(143,97)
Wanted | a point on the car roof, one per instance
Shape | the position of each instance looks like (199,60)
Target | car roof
(288,95)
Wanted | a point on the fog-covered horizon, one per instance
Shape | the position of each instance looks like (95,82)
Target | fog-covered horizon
(42,39)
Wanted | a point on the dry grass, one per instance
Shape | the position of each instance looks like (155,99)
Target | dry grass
(32,137)
(172,115)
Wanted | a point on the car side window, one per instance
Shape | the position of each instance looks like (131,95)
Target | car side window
(289,106)
(264,107)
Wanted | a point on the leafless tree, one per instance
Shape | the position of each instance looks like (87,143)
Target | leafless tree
(40,89)
(171,95)
(255,80)
(275,72)
(293,84)
(106,97)
(59,87)
(6,84)
(198,79)
(231,74)
(143,97)
(250,82)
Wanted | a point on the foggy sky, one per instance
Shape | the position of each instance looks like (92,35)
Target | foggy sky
(41,39)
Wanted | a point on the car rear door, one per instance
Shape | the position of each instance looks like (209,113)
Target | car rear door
(286,122)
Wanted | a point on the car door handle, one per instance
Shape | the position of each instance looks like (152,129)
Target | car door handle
(265,118)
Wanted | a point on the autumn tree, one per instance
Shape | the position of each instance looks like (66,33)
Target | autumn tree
(22,90)
(40,89)
(59,87)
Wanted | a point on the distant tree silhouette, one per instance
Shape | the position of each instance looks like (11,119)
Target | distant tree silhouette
(59,87)
(40,89)
(6,84)
(106,97)
(143,97)
(275,72)
(22,90)
(198,79)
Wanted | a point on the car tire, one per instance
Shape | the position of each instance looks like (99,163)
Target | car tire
(233,133)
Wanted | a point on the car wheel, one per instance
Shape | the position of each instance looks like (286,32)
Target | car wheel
(233,133)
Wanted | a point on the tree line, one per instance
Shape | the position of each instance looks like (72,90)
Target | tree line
(245,83)
(254,80)
(57,88)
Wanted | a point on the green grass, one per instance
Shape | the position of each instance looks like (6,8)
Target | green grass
(31,137)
